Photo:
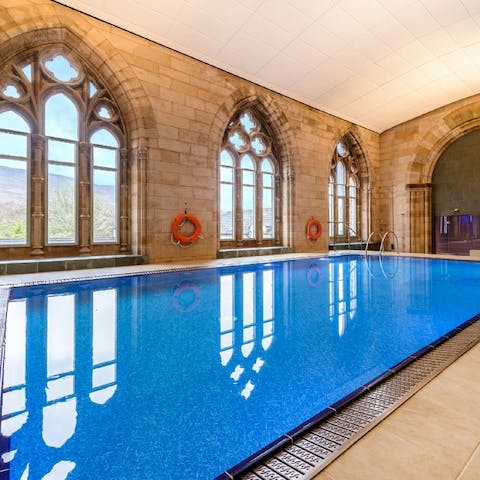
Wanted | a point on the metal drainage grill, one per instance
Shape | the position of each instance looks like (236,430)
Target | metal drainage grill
(313,451)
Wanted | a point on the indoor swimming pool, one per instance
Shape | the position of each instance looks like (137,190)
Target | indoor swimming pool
(184,374)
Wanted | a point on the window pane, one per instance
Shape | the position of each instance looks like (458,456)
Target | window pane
(331,215)
(226,211)
(352,213)
(248,207)
(226,174)
(267,166)
(61,68)
(104,157)
(11,144)
(105,138)
(341,190)
(61,151)
(341,215)
(247,162)
(248,122)
(13,202)
(267,180)
(226,158)
(61,117)
(12,121)
(27,70)
(104,206)
(267,214)
(248,177)
(61,204)
(341,177)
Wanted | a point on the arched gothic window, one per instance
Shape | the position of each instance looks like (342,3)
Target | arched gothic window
(63,181)
(343,195)
(249,205)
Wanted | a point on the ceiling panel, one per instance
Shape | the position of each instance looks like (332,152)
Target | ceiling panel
(375,62)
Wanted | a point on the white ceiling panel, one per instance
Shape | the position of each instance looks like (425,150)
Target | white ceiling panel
(446,11)
(284,71)
(465,32)
(375,62)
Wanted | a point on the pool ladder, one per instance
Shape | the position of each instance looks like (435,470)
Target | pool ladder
(382,238)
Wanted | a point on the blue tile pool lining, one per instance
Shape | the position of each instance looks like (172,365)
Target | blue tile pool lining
(307,449)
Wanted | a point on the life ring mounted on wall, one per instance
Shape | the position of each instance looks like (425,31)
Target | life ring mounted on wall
(314,229)
(182,239)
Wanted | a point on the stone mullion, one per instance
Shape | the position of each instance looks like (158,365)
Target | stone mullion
(139,164)
(239,207)
(277,209)
(84,198)
(124,197)
(259,208)
(37,195)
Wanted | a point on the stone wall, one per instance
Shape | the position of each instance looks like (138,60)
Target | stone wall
(176,109)
(409,153)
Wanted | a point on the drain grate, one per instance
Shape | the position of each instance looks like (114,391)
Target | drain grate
(307,455)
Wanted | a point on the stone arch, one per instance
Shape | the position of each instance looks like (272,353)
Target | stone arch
(452,126)
(358,147)
(99,54)
(449,128)
(114,72)
(287,149)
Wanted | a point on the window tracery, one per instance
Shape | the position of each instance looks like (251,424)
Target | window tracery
(61,137)
(343,194)
(249,182)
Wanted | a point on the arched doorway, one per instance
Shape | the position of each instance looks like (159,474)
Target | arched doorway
(455,198)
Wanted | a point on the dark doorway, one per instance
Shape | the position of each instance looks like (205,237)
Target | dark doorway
(456,197)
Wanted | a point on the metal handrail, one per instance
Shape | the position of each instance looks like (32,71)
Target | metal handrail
(382,245)
(369,238)
(349,229)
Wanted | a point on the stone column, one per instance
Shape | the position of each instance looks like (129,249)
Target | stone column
(84,199)
(37,225)
(124,202)
(277,210)
(138,195)
(420,214)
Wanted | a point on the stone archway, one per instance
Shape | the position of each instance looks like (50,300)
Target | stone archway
(357,157)
(285,141)
(449,128)
(47,26)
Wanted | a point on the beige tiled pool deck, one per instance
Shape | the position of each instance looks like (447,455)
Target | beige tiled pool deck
(435,435)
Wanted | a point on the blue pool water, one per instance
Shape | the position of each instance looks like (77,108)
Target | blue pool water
(182,375)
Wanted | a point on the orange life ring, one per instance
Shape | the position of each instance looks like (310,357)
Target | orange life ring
(178,221)
(314,229)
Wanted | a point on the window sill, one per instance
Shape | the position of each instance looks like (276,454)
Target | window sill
(12,267)
(253,252)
